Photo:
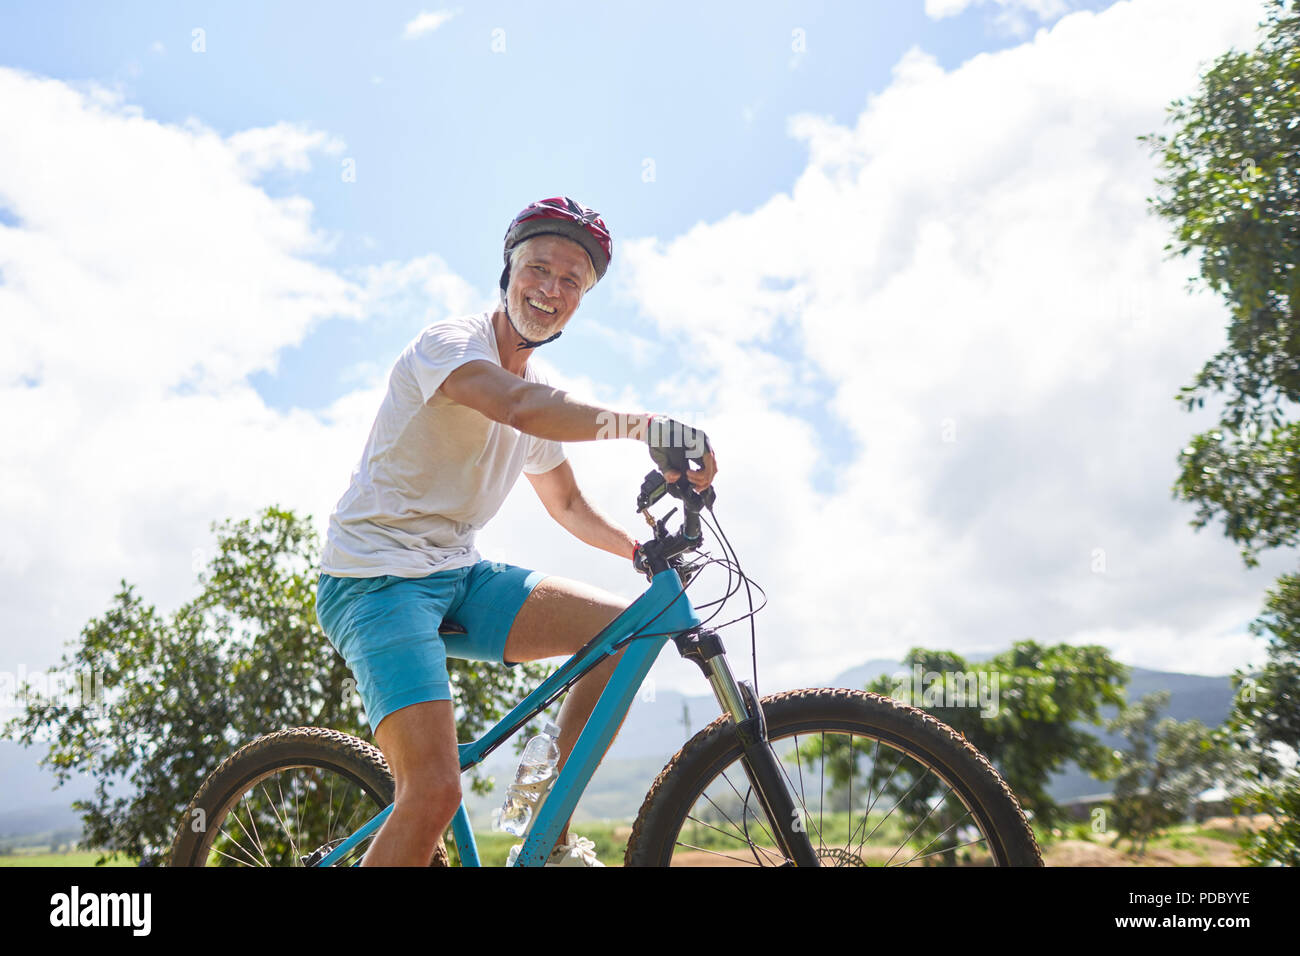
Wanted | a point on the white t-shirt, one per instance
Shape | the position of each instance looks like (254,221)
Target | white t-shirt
(433,471)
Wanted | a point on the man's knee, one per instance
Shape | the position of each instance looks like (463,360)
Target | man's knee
(428,794)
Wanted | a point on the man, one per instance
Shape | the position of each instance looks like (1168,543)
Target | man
(463,416)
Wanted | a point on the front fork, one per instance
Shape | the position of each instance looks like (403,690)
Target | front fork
(738,699)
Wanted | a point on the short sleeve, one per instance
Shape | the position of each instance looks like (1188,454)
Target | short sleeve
(441,349)
(543,455)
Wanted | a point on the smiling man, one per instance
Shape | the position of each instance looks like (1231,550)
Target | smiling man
(464,415)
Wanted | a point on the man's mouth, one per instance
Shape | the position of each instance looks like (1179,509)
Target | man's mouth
(547,310)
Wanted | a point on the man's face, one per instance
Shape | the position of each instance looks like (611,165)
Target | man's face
(546,285)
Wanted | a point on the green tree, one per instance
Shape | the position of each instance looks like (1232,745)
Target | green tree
(180,693)
(1275,845)
(1264,728)
(1039,693)
(1166,765)
(1231,190)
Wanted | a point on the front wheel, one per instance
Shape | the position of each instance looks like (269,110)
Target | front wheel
(874,782)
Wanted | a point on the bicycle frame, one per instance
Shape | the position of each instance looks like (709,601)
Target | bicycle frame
(664,611)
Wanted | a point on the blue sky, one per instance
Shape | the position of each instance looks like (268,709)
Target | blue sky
(577,97)
(895,257)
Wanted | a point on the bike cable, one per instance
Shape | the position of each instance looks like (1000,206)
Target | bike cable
(753,635)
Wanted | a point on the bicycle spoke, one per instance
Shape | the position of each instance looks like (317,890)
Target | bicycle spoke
(235,843)
(705,823)
(852,768)
(949,849)
(803,803)
(229,857)
(871,806)
(744,803)
(821,806)
(716,853)
(274,810)
(918,853)
(254,836)
(919,825)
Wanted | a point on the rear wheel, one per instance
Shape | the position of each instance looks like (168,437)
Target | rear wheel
(874,782)
(286,799)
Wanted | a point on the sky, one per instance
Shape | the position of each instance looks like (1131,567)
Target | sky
(895,258)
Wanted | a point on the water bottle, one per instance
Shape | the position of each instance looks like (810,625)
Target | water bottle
(532,780)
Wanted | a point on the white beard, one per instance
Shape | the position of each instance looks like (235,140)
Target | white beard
(526,320)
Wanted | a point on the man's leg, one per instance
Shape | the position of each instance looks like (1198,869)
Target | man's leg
(559,617)
(419,743)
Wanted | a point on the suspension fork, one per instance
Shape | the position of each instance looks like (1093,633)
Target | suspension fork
(741,703)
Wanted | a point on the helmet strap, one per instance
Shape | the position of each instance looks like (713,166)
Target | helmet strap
(524,341)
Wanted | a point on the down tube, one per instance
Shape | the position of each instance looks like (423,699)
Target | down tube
(638,657)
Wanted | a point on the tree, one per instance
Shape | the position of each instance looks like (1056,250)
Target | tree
(179,694)
(1168,763)
(1264,727)
(1231,189)
(1037,695)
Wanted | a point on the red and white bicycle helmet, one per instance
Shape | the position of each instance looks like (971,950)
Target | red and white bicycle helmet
(561,216)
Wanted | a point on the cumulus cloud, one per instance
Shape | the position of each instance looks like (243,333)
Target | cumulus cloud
(1012,15)
(959,312)
(144,277)
(287,146)
(427,22)
(970,273)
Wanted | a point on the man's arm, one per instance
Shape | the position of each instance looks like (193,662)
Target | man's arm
(550,413)
(538,410)
(564,501)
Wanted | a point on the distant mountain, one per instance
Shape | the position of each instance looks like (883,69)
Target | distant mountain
(30,801)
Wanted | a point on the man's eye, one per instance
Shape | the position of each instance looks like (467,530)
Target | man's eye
(540,268)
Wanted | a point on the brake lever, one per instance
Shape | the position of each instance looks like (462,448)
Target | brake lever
(684,491)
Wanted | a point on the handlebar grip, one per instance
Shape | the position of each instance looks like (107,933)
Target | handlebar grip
(691,524)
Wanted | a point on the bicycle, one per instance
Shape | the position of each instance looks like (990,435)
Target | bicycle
(757,756)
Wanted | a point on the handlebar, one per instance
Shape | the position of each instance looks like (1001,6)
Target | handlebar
(657,554)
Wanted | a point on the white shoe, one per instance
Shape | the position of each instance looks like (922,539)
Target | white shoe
(579,851)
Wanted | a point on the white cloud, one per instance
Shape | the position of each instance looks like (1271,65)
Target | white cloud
(143,278)
(971,272)
(1012,15)
(973,254)
(427,22)
(282,146)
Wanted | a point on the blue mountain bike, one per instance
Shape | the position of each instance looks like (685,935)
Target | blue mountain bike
(815,777)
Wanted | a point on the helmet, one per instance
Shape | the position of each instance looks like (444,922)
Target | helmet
(561,216)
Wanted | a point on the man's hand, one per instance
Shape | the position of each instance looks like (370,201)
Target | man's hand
(673,446)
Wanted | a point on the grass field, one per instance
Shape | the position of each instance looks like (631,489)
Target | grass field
(75,858)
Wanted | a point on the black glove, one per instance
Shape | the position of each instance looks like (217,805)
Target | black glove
(672,443)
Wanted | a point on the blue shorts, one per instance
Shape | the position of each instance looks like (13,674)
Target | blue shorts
(386,628)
